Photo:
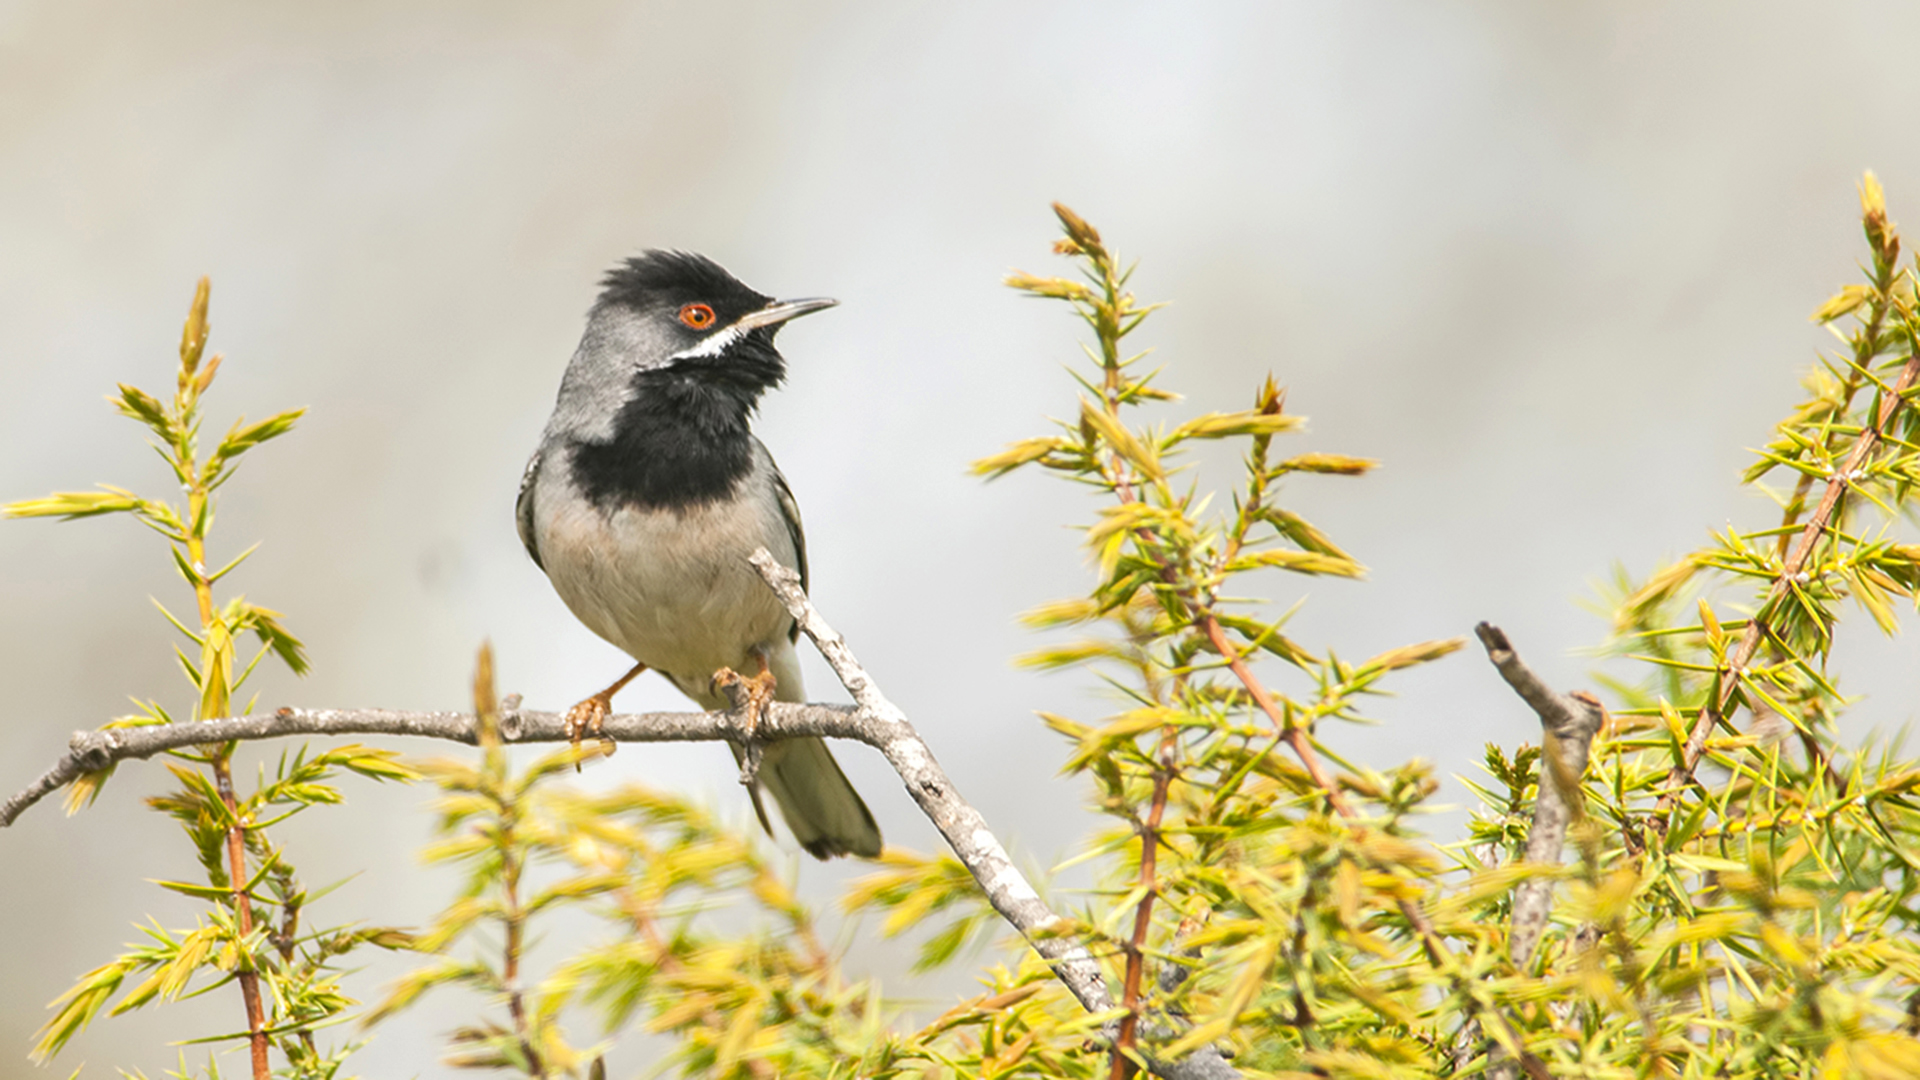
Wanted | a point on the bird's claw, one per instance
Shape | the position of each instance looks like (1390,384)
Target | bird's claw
(589,718)
(751,694)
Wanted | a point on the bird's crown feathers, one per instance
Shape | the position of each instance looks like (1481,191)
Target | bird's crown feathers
(660,278)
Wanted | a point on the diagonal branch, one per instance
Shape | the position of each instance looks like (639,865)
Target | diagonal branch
(1302,745)
(1297,740)
(885,728)
(1568,723)
(1817,526)
(962,826)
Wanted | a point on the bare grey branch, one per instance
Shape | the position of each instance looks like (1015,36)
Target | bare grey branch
(976,846)
(91,751)
(1568,723)
(874,720)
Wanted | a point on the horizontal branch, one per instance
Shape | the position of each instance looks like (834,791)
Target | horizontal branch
(91,751)
(874,720)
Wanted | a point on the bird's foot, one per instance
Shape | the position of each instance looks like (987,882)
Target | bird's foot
(590,718)
(750,694)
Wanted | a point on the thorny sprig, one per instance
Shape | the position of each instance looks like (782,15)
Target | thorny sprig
(765,1000)
(662,873)
(1254,853)
(1743,905)
(495,825)
(253,933)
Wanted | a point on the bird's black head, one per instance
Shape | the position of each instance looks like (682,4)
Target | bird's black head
(709,325)
(678,352)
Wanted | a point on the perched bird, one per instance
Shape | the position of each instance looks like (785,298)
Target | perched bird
(649,491)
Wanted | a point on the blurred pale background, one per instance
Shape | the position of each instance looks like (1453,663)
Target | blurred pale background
(1552,263)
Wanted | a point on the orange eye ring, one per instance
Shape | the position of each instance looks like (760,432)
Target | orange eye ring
(698,316)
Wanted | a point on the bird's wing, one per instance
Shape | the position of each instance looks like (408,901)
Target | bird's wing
(523,510)
(790,513)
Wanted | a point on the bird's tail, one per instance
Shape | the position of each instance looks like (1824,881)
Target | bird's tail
(820,806)
(826,815)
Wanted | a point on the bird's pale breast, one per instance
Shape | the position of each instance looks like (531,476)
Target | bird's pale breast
(669,587)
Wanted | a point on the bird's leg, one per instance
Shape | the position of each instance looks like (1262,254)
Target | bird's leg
(590,716)
(752,695)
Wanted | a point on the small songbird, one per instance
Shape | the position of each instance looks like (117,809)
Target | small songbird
(648,493)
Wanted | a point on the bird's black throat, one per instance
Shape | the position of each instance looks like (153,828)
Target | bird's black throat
(684,436)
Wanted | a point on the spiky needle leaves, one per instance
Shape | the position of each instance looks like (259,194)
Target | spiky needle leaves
(1744,902)
(1223,828)
(253,932)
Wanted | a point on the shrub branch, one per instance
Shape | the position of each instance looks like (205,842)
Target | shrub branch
(1817,526)
(1437,953)
(92,751)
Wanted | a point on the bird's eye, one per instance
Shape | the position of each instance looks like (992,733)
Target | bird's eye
(698,316)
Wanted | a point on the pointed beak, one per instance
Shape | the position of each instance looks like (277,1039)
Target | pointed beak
(781,310)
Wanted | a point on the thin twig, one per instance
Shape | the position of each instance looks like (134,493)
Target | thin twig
(1568,723)
(1121,1067)
(1107,321)
(516,919)
(198,496)
(1863,354)
(243,911)
(1296,739)
(666,963)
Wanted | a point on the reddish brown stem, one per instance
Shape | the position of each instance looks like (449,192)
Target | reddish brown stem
(1296,739)
(667,963)
(1142,917)
(1809,537)
(243,913)
(1863,353)
(516,926)
(248,978)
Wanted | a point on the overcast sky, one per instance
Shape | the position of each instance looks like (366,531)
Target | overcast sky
(1551,263)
